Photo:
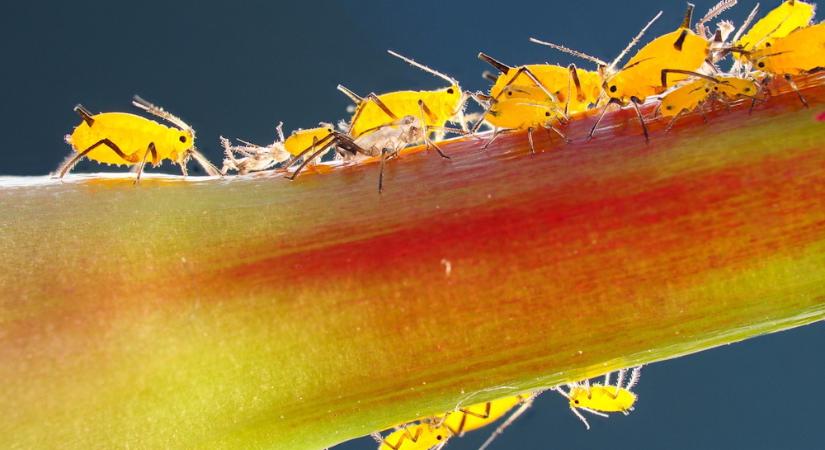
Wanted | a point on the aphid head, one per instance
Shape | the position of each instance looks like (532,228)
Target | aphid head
(579,397)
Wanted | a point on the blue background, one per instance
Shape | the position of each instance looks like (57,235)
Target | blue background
(237,69)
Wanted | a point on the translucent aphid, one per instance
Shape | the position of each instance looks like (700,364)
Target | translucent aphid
(129,139)
(287,151)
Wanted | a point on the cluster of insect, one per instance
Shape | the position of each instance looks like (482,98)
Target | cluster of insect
(599,398)
(678,70)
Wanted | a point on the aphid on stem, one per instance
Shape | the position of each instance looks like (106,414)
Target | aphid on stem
(129,139)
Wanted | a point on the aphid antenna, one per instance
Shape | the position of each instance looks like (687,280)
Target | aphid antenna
(620,378)
(210,169)
(594,412)
(429,70)
(745,24)
(155,110)
(569,51)
(612,66)
(712,13)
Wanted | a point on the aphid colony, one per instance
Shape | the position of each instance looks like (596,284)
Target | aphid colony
(679,70)
(434,432)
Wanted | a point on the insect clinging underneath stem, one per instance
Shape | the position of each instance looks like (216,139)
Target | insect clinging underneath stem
(600,399)
(129,139)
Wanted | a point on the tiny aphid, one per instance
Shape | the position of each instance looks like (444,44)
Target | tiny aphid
(778,23)
(600,399)
(693,94)
(129,139)
(519,112)
(798,53)
(640,77)
(434,107)
(282,151)
(415,436)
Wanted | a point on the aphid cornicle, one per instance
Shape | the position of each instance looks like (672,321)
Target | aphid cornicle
(600,399)
(129,139)
(435,108)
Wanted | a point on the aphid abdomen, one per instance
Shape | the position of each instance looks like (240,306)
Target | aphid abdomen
(130,133)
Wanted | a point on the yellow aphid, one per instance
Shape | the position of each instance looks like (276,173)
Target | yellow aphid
(693,94)
(569,89)
(778,23)
(800,52)
(435,108)
(417,436)
(129,139)
(639,78)
(600,399)
(479,415)
(256,158)
(520,112)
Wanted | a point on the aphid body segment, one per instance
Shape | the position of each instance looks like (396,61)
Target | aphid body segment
(129,139)
(600,399)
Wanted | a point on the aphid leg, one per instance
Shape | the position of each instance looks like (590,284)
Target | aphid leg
(665,73)
(530,140)
(673,121)
(515,415)
(601,116)
(424,110)
(184,171)
(552,128)
(84,114)
(210,169)
(607,379)
(635,375)
(324,145)
(374,98)
(71,162)
(793,86)
(635,102)
(529,74)
(384,152)
(581,417)
(151,149)
(496,133)
(280,130)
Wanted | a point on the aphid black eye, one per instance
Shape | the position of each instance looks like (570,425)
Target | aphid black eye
(182,139)
(767,44)
(761,65)
(668,107)
(547,114)
(438,437)
(509,92)
(613,88)
(747,89)
(707,89)
(716,88)
(450,91)
(576,402)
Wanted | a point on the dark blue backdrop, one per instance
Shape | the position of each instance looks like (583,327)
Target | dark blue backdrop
(236,69)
